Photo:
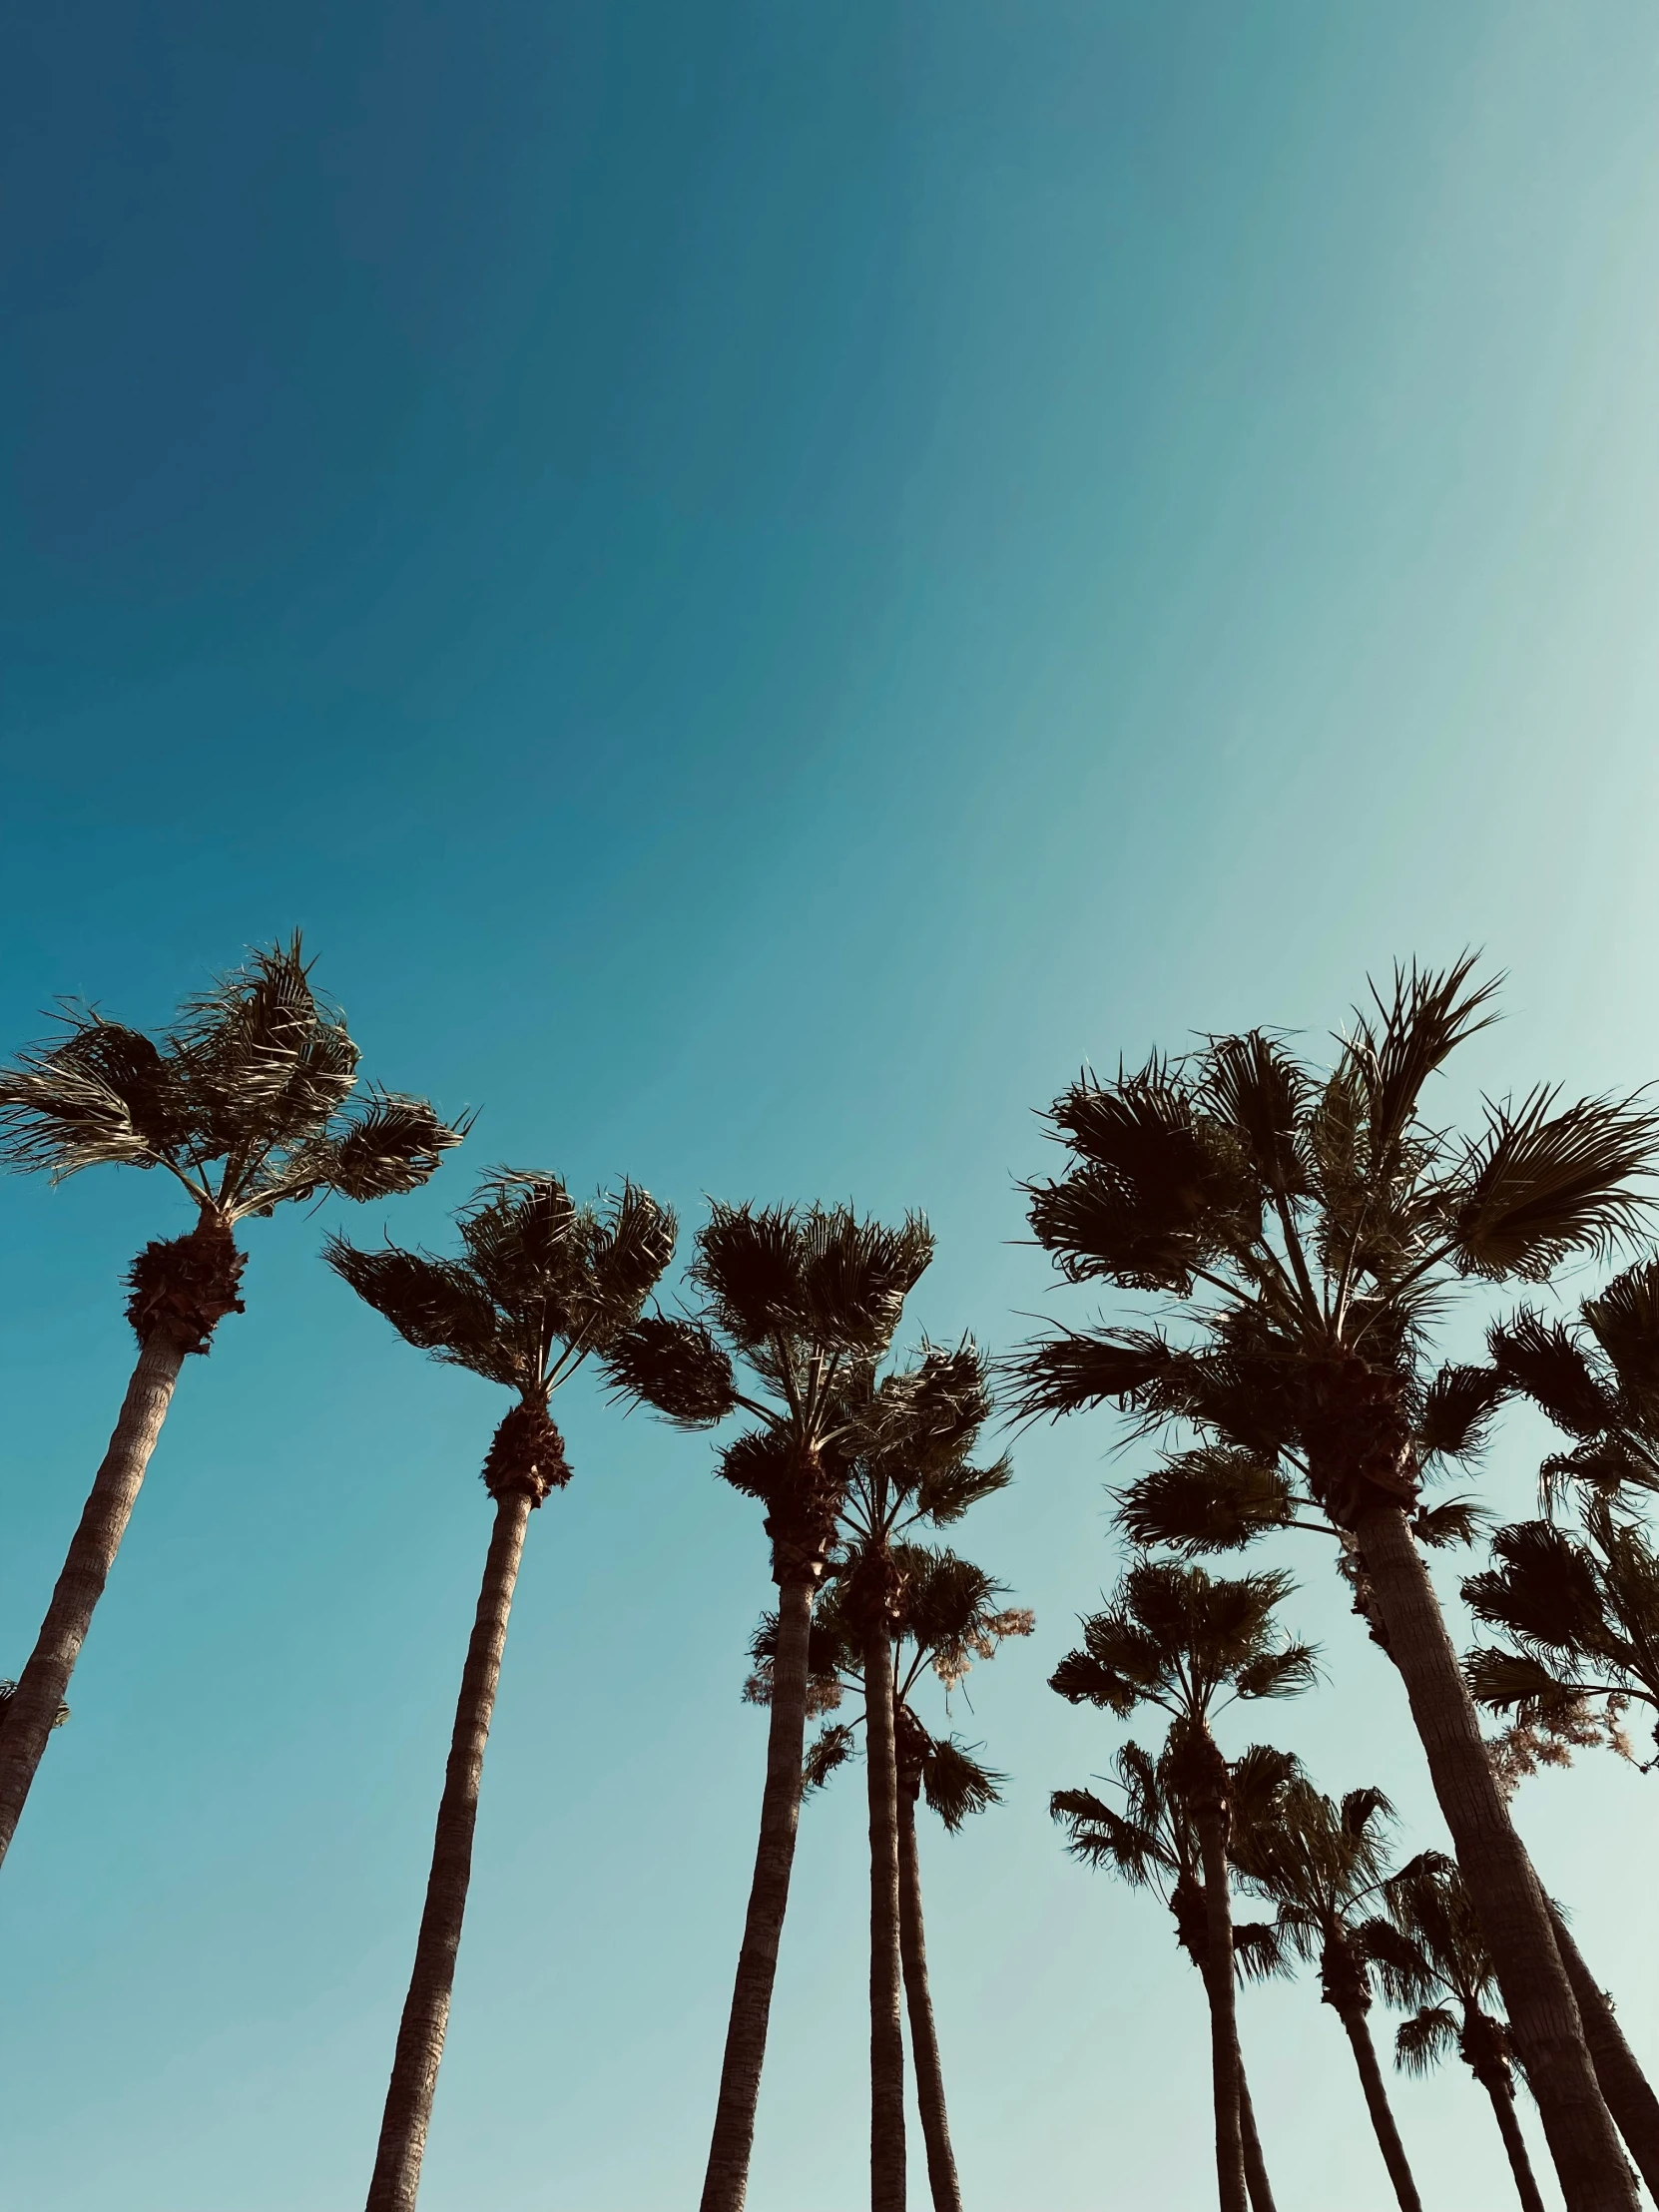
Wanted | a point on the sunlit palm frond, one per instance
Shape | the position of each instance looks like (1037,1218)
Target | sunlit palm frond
(101,1095)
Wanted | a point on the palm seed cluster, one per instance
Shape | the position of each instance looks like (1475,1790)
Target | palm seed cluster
(1294,1242)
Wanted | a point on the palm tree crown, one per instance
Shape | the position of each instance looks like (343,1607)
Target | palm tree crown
(807,1299)
(541,1283)
(243,1100)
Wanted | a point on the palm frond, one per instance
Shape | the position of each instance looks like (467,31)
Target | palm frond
(675,1365)
(1624,1320)
(1458,1408)
(103,1095)
(1425,2039)
(1539,1186)
(392,1146)
(1215,1497)
(436,1304)
(1408,1035)
(1458,1520)
(1262,1094)
(1075,1368)
(1544,1360)
(955,1784)
(832,1747)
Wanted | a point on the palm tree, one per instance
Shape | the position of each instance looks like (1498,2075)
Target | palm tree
(809,1300)
(1448,1977)
(1321,1863)
(244,1103)
(1579,1622)
(1313,1226)
(946,1613)
(1177,1638)
(1153,1844)
(540,1285)
(912,1435)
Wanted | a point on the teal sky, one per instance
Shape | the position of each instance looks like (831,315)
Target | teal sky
(764,581)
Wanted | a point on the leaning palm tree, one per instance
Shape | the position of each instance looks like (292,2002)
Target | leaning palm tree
(1151,1842)
(1190,1644)
(807,1299)
(540,1285)
(244,1102)
(1323,1865)
(1446,1975)
(946,1614)
(1313,1226)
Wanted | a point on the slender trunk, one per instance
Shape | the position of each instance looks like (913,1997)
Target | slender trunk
(35,1704)
(1629,2095)
(924,2041)
(1508,2126)
(414,2066)
(1381,2114)
(1536,1994)
(886,2033)
(1255,2172)
(1224,2068)
(725,2182)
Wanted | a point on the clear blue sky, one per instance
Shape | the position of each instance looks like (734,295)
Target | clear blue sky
(764,580)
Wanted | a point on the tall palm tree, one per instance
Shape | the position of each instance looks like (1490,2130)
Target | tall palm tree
(946,1613)
(1177,1638)
(540,1285)
(243,1101)
(1313,1226)
(1447,1977)
(807,1299)
(1153,1843)
(1322,1864)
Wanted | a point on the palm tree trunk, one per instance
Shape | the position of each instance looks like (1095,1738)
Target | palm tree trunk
(1255,2172)
(886,2033)
(414,2066)
(924,2041)
(1226,2069)
(1630,2094)
(725,2182)
(1381,2114)
(34,1706)
(1508,2126)
(1593,2172)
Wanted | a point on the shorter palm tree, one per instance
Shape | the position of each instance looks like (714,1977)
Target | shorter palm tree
(1150,1838)
(807,1299)
(1323,1865)
(541,1283)
(1447,1977)
(1174,1637)
(947,1613)
(245,1104)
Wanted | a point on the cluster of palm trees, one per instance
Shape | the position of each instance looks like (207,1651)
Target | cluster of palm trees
(1300,1235)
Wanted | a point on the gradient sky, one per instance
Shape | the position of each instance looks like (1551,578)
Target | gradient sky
(764,580)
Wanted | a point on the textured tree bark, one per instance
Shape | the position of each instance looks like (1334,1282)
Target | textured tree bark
(1625,2086)
(924,2041)
(1225,2066)
(34,1706)
(414,2067)
(886,2033)
(1508,2126)
(1542,2015)
(1256,2171)
(725,2182)
(1381,2114)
